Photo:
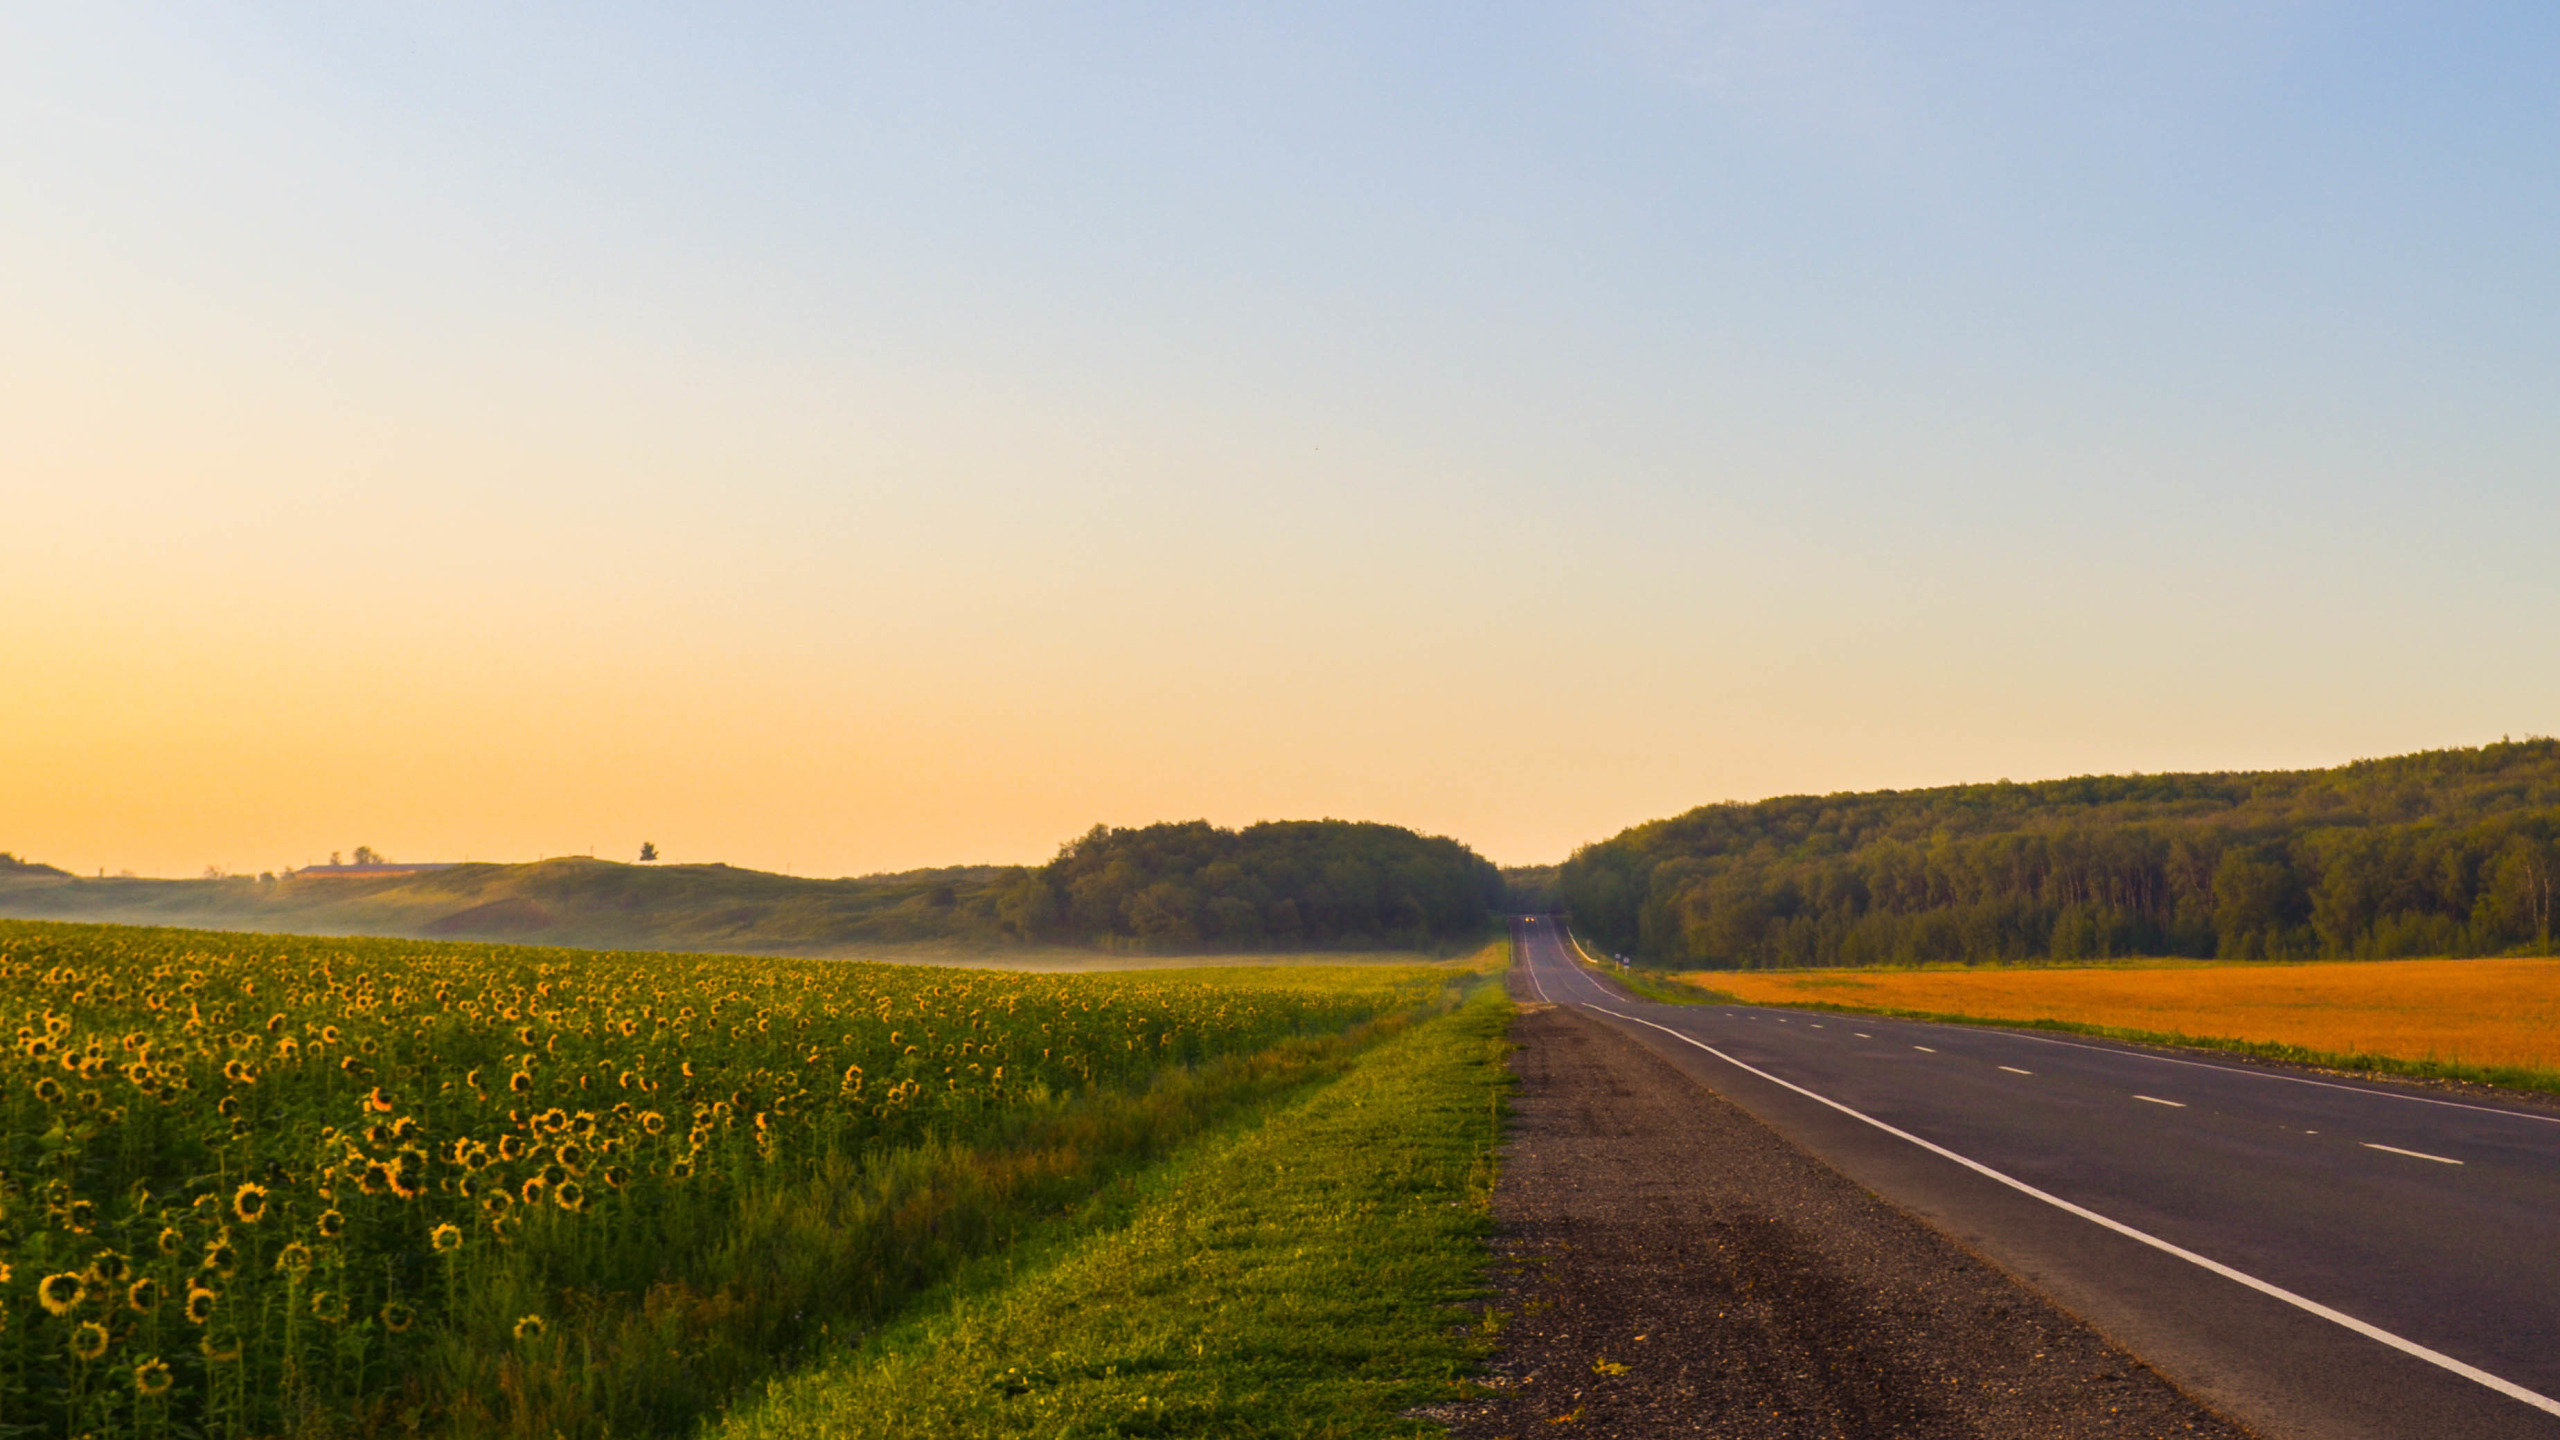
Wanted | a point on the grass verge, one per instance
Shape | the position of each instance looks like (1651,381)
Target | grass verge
(1298,1279)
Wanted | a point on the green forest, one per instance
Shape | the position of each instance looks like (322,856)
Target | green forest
(2449,852)
(1319,883)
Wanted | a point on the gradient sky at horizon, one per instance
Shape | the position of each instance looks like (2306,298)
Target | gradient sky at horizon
(857,438)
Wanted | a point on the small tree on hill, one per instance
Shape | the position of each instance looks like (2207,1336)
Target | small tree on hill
(648,852)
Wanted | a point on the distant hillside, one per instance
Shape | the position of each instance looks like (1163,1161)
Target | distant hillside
(2449,852)
(1299,885)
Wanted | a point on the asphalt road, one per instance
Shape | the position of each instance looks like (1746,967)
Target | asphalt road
(2315,1257)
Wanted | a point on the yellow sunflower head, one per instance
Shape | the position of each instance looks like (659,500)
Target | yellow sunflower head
(61,1294)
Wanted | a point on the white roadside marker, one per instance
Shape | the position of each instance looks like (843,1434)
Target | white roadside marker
(2412,1154)
(2405,1346)
(2014,1070)
(2156,1100)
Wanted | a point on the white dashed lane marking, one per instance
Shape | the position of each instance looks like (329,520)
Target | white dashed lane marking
(2014,1070)
(2156,1100)
(2412,1154)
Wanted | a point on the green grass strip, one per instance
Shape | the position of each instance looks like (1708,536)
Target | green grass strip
(1298,1279)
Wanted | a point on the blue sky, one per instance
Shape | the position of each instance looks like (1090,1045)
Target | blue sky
(864,438)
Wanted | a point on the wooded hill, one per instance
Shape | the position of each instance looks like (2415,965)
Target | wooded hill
(2448,852)
(1313,885)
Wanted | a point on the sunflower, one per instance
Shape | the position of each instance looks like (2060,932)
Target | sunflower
(249,1202)
(530,1328)
(61,1294)
(405,1128)
(497,1203)
(90,1340)
(171,1239)
(553,1174)
(532,1192)
(238,1072)
(329,1305)
(681,1170)
(78,1214)
(219,1352)
(510,1147)
(220,1256)
(294,1260)
(49,1090)
(397,1317)
(374,1100)
(570,1196)
(574,1156)
(151,1377)
(375,1178)
(332,1224)
(653,1122)
(551,1120)
(142,1296)
(616,1177)
(200,1304)
(408,1176)
(445,1238)
(111,1268)
(521,1082)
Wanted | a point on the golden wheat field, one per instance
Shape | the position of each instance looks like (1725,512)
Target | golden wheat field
(2483,1013)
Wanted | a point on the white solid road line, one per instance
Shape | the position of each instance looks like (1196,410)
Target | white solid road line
(2412,1154)
(2156,1100)
(2437,1358)
(2014,1070)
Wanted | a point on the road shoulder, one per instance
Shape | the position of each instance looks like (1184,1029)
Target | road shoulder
(1669,1265)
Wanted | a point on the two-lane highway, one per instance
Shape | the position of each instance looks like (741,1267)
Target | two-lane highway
(2318,1257)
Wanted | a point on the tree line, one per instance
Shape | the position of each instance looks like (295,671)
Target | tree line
(1279,884)
(2451,852)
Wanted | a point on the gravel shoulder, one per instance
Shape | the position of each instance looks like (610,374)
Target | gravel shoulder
(1668,1266)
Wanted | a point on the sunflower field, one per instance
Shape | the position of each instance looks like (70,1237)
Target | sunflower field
(259,1185)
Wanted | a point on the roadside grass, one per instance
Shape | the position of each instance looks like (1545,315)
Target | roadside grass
(2488,1022)
(1300,1277)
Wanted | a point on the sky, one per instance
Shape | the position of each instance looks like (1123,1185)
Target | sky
(851,438)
